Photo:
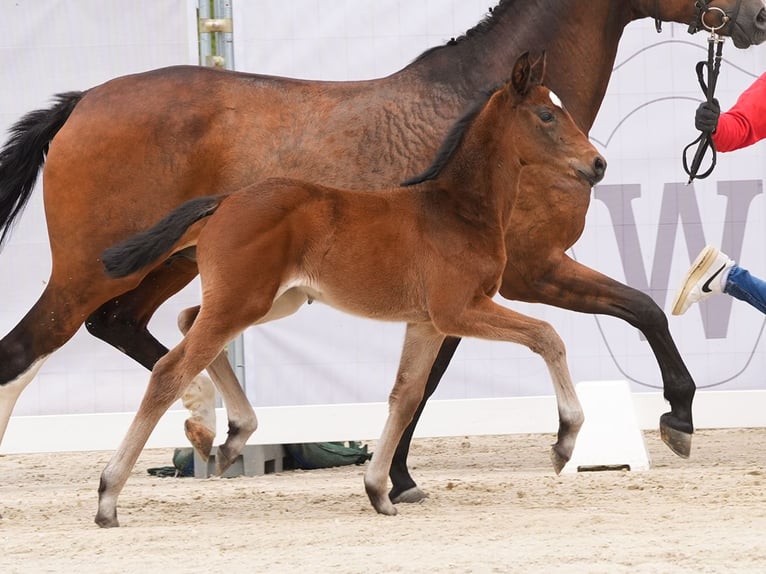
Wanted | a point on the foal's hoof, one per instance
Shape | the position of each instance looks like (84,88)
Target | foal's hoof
(200,437)
(224,458)
(558,459)
(413,494)
(384,507)
(380,501)
(107,521)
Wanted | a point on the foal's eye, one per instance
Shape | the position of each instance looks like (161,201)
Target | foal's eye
(546,116)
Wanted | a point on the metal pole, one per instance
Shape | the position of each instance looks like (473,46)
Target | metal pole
(216,24)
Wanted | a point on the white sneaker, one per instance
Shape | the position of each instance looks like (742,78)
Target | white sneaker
(705,277)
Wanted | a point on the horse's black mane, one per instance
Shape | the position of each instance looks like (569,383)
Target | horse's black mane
(452,141)
(455,135)
(485,24)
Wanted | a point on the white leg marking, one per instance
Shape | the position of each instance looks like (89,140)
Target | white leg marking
(199,399)
(9,393)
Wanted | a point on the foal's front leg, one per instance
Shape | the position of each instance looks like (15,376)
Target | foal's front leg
(485,319)
(421,345)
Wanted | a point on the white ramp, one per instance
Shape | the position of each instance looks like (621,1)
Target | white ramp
(610,437)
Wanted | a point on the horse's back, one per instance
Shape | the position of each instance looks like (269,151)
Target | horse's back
(171,134)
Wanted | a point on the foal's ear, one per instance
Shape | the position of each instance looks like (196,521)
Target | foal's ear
(520,77)
(537,72)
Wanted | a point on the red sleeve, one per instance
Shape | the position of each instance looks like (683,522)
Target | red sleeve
(745,123)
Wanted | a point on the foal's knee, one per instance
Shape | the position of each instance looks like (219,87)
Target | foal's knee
(547,343)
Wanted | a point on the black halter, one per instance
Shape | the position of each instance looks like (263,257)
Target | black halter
(702,7)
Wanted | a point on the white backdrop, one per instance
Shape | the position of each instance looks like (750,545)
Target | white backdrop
(320,356)
(52,46)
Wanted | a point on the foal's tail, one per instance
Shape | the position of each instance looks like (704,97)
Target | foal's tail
(24,154)
(149,246)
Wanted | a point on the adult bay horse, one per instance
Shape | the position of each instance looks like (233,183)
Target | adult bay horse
(432,255)
(121,155)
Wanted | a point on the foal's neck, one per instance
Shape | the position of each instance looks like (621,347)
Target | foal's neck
(475,190)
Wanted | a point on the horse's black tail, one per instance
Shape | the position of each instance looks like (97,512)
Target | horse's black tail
(24,154)
(146,247)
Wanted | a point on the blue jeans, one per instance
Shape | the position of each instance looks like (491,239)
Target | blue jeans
(745,287)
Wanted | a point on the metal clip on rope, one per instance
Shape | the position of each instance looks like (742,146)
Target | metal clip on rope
(713,64)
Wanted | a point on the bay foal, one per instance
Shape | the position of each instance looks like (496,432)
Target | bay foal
(431,254)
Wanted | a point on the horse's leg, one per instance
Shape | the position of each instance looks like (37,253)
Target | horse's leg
(242,419)
(571,285)
(421,345)
(52,321)
(404,488)
(488,320)
(122,322)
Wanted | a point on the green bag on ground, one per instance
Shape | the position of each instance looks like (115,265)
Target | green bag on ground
(308,456)
(183,465)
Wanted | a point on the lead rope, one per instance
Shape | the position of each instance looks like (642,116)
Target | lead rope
(713,64)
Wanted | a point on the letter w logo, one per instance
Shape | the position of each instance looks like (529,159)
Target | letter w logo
(679,205)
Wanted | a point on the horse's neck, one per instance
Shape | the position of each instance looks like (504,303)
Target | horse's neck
(580,39)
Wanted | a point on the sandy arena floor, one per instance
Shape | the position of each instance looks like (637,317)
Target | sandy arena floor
(495,505)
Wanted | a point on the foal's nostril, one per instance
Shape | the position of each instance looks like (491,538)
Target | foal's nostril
(761,17)
(599,166)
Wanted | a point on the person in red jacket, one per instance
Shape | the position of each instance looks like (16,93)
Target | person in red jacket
(713,271)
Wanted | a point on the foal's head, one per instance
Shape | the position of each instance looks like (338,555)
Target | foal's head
(541,131)
(520,124)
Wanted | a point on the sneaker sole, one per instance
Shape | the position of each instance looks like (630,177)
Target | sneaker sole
(693,275)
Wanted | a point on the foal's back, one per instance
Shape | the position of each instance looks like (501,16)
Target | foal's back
(375,254)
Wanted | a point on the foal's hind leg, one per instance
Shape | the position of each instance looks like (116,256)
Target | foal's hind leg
(199,399)
(571,285)
(242,419)
(169,377)
(122,322)
(488,320)
(421,345)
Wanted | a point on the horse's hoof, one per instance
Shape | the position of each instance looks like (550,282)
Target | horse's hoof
(678,441)
(559,460)
(413,494)
(200,437)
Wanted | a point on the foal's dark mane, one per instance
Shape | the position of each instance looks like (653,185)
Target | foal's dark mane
(452,141)
(485,24)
